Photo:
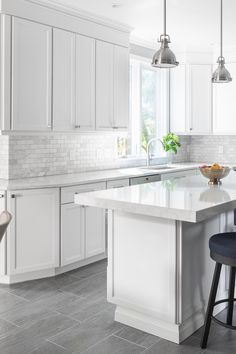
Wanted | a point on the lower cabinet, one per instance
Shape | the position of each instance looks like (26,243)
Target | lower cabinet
(83,232)
(72,234)
(33,234)
(95,231)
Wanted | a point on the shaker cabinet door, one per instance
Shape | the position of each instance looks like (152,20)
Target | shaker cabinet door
(104,85)
(85,83)
(95,231)
(121,87)
(33,236)
(72,233)
(224,107)
(199,98)
(31,75)
(63,80)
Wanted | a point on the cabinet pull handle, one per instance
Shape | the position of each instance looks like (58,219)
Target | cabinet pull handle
(77,126)
(13,196)
(190,128)
(115,128)
(2,196)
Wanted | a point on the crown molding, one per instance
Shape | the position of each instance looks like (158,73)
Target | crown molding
(59,6)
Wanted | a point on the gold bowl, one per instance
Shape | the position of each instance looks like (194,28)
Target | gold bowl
(215,175)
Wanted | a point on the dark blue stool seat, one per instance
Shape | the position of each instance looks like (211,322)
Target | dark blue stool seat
(224,245)
(223,252)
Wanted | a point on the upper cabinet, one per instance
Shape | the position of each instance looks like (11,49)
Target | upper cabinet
(31,75)
(73,81)
(178,99)
(104,85)
(224,106)
(199,98)
(48,72)
(112,86)
(191,99)
(63,80)
(121,87)
(85,83)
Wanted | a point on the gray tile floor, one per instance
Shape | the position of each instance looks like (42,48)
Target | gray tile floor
(69,314)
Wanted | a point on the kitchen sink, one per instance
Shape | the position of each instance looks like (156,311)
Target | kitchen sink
(157,167)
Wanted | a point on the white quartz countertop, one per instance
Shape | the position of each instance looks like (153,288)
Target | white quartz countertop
(188,199)
(88,177)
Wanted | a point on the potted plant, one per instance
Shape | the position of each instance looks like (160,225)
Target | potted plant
(171,144)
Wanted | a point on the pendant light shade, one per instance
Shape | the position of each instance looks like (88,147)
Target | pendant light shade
(164,57)
(221,74)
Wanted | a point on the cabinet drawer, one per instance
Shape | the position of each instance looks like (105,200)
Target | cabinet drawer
(67,193)
(118,183)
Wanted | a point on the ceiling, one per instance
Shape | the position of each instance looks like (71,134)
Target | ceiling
(189,22)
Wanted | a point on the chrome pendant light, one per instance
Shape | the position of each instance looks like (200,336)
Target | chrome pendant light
(164,57)
(221,74)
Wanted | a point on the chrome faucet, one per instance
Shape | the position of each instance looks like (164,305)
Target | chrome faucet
(148,148)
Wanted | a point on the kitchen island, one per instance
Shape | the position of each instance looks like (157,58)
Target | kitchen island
(159,267)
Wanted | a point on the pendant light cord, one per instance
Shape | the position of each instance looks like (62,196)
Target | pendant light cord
(165,17)
(221,28)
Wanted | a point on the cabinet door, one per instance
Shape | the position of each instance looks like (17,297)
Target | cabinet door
(72,233)
(31,75)
(178,100)
(199,98)
(121,87)
(33,237)
(224,104)
(104,85)
(63,80)
(95,231)
(85,83)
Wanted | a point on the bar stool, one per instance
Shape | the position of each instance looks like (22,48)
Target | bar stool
(222,251)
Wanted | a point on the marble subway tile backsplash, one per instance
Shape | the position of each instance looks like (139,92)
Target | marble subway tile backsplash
(213,148)
(39,155)
(4,157)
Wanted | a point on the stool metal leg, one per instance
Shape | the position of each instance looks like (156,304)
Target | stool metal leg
(210,306)
(231,295)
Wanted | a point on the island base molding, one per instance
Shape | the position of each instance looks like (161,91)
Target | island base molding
(160,272)
(172,332)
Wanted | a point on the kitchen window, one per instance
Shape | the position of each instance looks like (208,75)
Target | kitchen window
(149,107)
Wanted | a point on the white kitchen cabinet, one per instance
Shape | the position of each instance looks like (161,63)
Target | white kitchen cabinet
(199,98)
(191,99)
(121,87)
(95,231)
(63,80)
(178,99)
(72,233)
(73,81)
(104,85)
(224,108)
(31,75)
(33,236)
(85,83)
(112,86)
(82,228)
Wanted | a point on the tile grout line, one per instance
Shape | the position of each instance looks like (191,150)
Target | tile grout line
(138,345)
